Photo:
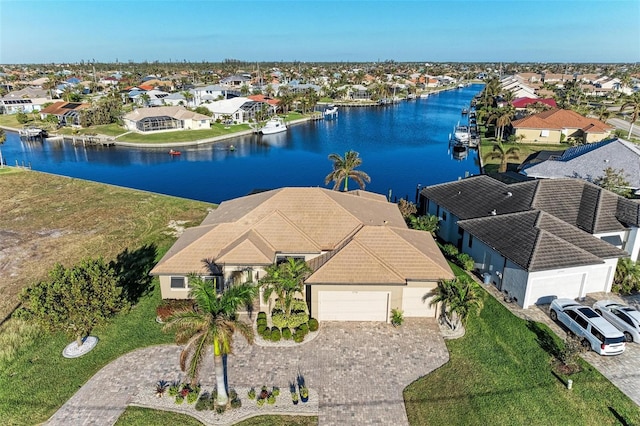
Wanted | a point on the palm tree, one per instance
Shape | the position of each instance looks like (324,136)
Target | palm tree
(427,223)
(632,102)
(459,297)
(145,98)
(188,96)
(285,280)
(344,168)
(3,138)
(603,113)
(503,154)
(213,321)
(502,118)
(627,276)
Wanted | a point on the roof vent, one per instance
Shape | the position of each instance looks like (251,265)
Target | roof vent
(509,194)
(493,212)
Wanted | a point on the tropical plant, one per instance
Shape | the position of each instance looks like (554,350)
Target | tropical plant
(397,317)
(465,261)
(614,180)
(459,297)
(407,208)
(286,281)
(503,119)
(504,154)
(74,300)
(633,103)
(626,279)
(3,138)
(213,321)
(345,168)
(428,223)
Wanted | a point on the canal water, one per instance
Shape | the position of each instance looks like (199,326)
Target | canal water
(401,146)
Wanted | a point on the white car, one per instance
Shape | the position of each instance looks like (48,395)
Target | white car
(596,332)
(624,318)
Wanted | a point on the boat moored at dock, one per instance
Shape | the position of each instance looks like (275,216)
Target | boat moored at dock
(274,125)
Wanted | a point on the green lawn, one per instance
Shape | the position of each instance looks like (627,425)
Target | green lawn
(137,416)
(499,374)
(524,150)
(184,135)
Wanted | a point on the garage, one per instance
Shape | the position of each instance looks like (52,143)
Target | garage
(544,290)
(353,305)
(414,306)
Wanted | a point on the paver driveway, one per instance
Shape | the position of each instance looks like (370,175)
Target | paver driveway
(358,369)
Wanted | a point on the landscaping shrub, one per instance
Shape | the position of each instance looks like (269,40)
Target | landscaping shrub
(266,334)
(261,328)
(261,321)
(296,318)
(275,334)
(286,333)
(203,402)
(313,324)
(397,317)
(169,306)
(236,403)
(298,337)
(262,315)
(304,329)
(465,261)
(450,251)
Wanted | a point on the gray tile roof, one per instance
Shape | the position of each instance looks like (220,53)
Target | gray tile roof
(537,241)
(589,161)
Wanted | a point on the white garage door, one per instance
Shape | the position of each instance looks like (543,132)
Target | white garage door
(544,290)
(353,305)
(414,306)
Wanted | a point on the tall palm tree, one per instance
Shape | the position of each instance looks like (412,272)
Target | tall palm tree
(502,117)
(3,138)
(633,102)
(285,280)
(213,321)
(459,297)
(344,168)
(627,276)
(502,153)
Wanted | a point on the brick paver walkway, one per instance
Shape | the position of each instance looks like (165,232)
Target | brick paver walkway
(358,369)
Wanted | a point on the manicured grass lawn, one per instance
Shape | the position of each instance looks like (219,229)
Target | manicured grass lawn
(491,165)
(112,129)
(137,416)
(39,380)
(498,374)
(184,135)
(9,120)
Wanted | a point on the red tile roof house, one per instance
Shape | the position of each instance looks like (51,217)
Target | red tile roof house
(558,125)
(68,113)
(537,240)
(364,260)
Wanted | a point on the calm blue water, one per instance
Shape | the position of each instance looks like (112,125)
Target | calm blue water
(401,146)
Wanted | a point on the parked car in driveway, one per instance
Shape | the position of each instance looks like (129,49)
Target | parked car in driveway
(595,331)
(624,318)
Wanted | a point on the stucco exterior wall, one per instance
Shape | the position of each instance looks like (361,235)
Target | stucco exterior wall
(534,136)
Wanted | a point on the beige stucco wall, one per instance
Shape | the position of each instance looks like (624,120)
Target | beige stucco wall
(533,136)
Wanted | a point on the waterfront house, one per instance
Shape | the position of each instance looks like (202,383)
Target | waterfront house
(587,162)
(539,239)
(557,125)
(364,259)
(68,113)
(239,109)
(25,100)
(166,118)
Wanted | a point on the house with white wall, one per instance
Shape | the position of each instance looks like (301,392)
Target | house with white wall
(540,239)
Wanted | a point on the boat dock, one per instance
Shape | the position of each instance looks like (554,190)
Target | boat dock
(86,140)
(32,133)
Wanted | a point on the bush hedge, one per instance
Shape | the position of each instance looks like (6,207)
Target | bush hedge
(313,324)
(275,334)
(286,333)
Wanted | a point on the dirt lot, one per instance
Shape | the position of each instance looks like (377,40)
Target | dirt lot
(46,219)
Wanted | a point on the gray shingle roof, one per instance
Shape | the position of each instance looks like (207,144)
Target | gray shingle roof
(537,241)
(589,161)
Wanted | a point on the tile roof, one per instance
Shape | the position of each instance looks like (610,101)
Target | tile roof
(538,241)
(524,102)
(60,108)
(558,119)
(575,201)
(363,237)
(589,161)
(177,112)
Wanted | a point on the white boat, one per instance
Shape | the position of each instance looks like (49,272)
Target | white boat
(461,134)
(423,95)
(274,125)
(331,111)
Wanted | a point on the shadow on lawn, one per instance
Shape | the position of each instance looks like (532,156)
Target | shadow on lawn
(545,339)
(132,269)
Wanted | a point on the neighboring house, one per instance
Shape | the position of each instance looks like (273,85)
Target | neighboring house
(364,260)
(68,113)
(236,81)
(26,100)
(165,118)
(298,88)
(587,162)
(548,127)
(539,239)
(212,93)
(359,92)
(155,97)
(238,110)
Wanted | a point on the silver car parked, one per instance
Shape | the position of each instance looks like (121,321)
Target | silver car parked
(624,318)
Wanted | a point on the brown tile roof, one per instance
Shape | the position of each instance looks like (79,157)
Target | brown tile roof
(364,236)
(558,119)
(60,108)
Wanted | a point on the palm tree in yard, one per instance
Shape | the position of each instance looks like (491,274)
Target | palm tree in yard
(213,321)
(3,138)
(502,153)
(459,297)
(285,280)
(502,118)
(633,103)
(344,168)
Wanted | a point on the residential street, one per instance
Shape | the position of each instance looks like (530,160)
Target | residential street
(619,123)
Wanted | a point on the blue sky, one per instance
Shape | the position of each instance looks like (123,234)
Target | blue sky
(345,30)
